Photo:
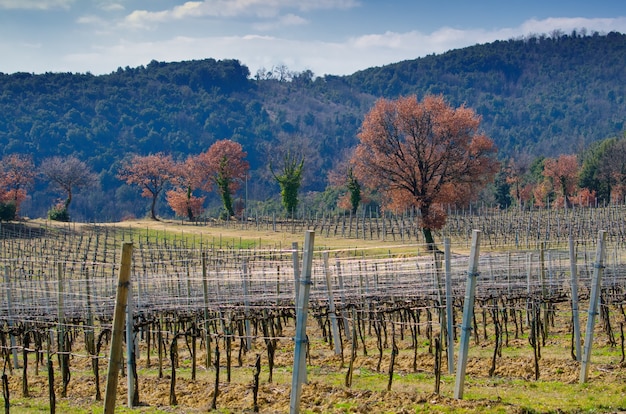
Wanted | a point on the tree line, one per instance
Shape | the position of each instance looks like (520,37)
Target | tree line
(222,166)
(542,94)
(412,154)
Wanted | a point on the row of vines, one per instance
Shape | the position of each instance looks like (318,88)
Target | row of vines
(523,229)
(217,309)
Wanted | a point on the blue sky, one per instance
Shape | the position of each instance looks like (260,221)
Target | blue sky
(325,36)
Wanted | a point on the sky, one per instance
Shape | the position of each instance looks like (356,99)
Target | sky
(336,37)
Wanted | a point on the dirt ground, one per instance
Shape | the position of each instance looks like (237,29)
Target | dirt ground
(511,389)
(412,389)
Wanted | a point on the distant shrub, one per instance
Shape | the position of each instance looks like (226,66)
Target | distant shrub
(59,213)
(7,211)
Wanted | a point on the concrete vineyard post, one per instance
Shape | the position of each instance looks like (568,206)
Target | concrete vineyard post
(594,300)
(299,357)
(468,313)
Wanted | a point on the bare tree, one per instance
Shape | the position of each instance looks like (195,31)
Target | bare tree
(67,174)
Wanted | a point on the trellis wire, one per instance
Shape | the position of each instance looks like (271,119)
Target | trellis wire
(170,277)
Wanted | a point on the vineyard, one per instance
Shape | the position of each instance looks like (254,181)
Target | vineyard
(212,314)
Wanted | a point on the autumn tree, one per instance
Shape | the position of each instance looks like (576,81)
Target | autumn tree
(424,155)
(343,177)
(151,173)
(516,169)
(17,174)
(186,178)
(563,173)
(289,178)
(67,174)
(224,165)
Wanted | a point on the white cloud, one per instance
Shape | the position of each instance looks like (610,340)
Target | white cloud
(282,21)
(111,6)
(264,9)
(603,25)
(90,20)
(339,57)
(35,4)
(410,45)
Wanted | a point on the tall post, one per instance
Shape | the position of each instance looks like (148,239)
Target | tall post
(449,309)
(115,356)
(594,299)
(205,294)
(342,296)
(130,348)
(331,307)
(574,286)
(544,288)
(439,285)
(299,357)
(296,272)
(468,315)
(61,316)
(7,282)
(246,301)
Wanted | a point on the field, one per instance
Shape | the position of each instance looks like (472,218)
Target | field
(198,289)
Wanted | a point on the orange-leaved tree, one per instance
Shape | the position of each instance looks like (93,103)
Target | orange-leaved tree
(17,174)
(563,171)
(424,155)
(151,173)
(224,165)
(186,178)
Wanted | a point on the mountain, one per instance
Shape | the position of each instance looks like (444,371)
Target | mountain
(544,95)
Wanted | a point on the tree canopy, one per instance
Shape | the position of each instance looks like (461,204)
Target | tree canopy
(225,166)
(151,173)
(67,174)
(289,178)
(424,154)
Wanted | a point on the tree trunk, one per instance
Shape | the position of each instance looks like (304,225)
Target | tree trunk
(189,210)
(428,237)
(68,200)
(152,215)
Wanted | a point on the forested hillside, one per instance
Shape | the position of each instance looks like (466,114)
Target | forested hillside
(544,95)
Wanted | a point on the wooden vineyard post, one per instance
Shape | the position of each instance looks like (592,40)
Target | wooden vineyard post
(449,309)
(346,325)
(205,294)
(246,300)
(574,286)
(544,290)
(468,314)
(115,356)
(331,307)
(437,256)
(64,358)
(7,282)
(596,286)
(299,356)
(130,349)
